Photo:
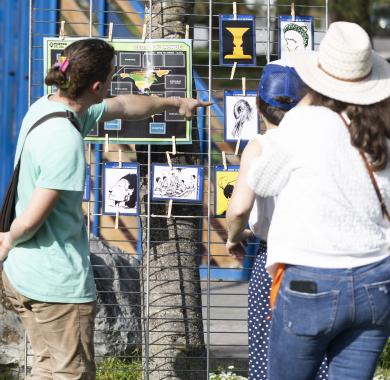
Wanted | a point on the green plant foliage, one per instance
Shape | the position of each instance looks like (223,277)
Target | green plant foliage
(119,369)
(384,361)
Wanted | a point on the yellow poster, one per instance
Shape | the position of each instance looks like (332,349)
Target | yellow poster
(224,183)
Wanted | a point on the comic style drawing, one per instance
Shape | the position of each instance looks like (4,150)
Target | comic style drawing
(225,180)
(124,193)
(121,188)
(241,118)
(182,183)
(295,35)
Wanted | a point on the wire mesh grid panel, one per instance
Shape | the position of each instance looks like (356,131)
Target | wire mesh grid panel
(172,303)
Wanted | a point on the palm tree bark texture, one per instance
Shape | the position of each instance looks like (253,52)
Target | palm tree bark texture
(173,342)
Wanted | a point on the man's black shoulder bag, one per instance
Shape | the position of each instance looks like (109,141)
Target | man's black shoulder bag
(7,213)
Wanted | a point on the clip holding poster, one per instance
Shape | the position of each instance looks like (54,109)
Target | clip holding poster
(224,163)
(237,147)
(117,219)
(110,30)
(106,142)
(62,30)
(292,12)
(143,38)
(168,159)
(174,146)
(296,34)
(237,36)
(120,158)
(233,71)
(169,213)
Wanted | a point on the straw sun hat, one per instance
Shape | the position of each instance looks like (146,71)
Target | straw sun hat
(345,67)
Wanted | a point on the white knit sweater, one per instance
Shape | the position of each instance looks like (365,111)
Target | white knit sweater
(327,214)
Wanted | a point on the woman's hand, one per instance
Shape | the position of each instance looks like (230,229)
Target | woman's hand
(237,248)
(5,246)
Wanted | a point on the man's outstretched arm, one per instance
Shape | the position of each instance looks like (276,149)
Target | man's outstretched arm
(138,107)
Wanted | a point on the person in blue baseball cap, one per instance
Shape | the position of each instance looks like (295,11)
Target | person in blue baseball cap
(279,90)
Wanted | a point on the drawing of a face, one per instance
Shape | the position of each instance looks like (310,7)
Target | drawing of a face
(293,40)
(242,112)
(122,192)
(295,37)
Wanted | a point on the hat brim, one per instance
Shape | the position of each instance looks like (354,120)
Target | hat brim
(372,89)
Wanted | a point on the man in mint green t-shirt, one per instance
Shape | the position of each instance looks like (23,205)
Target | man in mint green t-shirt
(47,273)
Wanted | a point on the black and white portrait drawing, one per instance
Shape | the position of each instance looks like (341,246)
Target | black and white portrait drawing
(179,183)
(295,35)
(121,188)
(241,118)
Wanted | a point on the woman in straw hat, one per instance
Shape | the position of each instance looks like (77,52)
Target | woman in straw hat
(328,243)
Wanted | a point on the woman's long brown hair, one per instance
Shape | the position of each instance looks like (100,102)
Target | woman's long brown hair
(90,60)
(369,128)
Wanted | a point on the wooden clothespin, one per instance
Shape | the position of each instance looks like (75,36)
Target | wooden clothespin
(235,10)
(62,30)
(224,160)
(106,142)
(187,35)
(169,159)
(120,158)
(169,208)
(110,28)
(233,70)
(292,12)
(173,145)
(144,33)
(116,219)
(237,146)
(244,86)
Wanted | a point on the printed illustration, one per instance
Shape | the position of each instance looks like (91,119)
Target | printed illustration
(121,188)
(237,40)
(295,35)
(179,183)
(155,67)
(241,117)
(224,182)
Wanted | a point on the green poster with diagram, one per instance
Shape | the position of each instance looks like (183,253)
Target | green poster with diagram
(149,68)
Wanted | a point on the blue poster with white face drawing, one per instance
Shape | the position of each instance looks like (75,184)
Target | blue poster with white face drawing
(295,35)
(120,189)
(237,40)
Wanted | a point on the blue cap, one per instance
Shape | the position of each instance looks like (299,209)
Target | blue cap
(280,80)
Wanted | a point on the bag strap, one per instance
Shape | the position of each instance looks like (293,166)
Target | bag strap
(66,114)
(385,212)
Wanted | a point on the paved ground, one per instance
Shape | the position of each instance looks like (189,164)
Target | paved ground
(228,319)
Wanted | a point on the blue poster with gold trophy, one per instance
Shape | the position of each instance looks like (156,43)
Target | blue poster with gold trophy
(237,40)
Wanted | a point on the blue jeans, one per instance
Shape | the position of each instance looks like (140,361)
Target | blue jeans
(347,319)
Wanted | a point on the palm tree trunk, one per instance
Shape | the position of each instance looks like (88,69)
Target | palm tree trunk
(173,346)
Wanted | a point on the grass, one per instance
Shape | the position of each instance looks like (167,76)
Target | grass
(8,372)
(119,369)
